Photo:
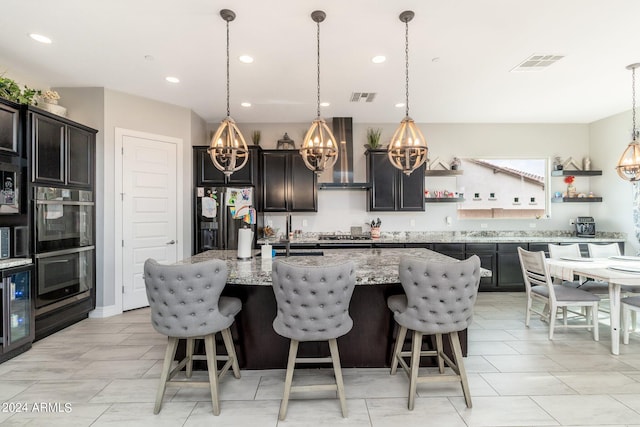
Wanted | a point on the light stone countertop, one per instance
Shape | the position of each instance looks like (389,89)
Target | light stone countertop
(14,262)
(554,236)
(373,265)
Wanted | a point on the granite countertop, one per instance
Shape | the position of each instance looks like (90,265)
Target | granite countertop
(373,265)
(14,262)
(460,237)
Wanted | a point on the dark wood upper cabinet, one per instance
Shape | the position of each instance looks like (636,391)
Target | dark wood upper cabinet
(392,190)
(287,184)
(208,175)
(63,152)
(9,127)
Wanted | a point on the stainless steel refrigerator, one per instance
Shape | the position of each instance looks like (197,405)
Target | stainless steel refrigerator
(215,226)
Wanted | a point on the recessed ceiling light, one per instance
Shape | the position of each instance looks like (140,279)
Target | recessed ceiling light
(246,59)
(325,104)
(400,105)
(379,59)
(40,38)
(172,79)
(246,104)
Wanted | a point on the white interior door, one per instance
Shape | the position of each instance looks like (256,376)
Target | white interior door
(149,211)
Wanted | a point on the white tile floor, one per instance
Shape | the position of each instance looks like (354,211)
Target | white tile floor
(106,372)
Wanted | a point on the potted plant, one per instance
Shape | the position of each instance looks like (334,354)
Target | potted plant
(255,137)
(373,138)
(10,90)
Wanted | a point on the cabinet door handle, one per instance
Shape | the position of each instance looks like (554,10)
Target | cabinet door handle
(171,242)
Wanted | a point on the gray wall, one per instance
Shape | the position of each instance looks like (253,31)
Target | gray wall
(106,110)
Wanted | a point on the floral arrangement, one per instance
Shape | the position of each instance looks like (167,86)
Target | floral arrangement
(50,95)
(569,179)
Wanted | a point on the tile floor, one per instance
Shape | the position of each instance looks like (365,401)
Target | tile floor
(106,372)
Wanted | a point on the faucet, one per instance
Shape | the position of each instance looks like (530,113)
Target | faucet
(288,230)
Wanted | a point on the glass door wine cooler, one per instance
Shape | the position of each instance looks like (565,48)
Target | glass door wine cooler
(16,311)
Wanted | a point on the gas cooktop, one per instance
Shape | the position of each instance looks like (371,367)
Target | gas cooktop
(343,237)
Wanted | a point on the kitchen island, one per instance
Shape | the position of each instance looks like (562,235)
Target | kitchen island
(368,344)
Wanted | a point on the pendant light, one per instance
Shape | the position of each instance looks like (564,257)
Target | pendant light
(629,164)
(408,148)
(228,149)
(319,149)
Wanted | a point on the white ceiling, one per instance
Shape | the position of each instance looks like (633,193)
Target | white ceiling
(477,42)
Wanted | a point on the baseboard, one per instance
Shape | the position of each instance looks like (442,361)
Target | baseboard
(108,311)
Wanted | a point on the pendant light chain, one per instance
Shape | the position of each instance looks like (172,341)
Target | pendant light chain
(633,97)
(406,61)
(318,62)
(228,110)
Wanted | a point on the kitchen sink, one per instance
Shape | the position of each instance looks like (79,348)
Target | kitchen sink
(281,253)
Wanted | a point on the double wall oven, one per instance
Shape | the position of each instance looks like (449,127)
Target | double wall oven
(64,246)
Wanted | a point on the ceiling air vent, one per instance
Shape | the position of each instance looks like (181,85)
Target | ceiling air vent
(537,62)
(363,96)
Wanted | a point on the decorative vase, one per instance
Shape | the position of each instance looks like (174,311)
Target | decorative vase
(375,232)
(571,190)
(51,101)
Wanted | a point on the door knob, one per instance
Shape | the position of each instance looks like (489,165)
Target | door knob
(171,242)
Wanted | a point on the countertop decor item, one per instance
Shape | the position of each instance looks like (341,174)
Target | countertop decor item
(373,138)
(228,150)
(319,149)
(408,148)
(629,164)
(256,135)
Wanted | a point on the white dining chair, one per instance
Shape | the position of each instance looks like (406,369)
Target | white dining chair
(603,251)
(559,251)
(538,286)
(630,306)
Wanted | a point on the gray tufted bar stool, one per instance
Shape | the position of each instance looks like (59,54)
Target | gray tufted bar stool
(186,304)
(313,305)
(439,299)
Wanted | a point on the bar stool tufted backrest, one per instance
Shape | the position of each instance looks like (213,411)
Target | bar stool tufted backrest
(313,302)
(440,295)
(184,298)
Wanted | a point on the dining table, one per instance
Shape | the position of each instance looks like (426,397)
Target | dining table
(617,271)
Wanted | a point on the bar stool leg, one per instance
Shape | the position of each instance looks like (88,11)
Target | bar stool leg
(231,351)
(457,354)
(169,355)
(190,345)
(439,351)
(397,348)
(416,347)
(291,364)
(212,368)
(335,358)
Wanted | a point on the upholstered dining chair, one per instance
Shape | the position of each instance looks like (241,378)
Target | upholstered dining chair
(438,300)
(313,305)
(186,304)
(538,286)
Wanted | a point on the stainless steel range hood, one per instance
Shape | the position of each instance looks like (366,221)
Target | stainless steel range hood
(344,185)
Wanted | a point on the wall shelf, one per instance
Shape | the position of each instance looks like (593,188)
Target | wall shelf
(565,172)
(576,199)
(442,172)
(444,199)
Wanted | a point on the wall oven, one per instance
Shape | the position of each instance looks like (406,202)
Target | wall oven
(64,274)
(63,218)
